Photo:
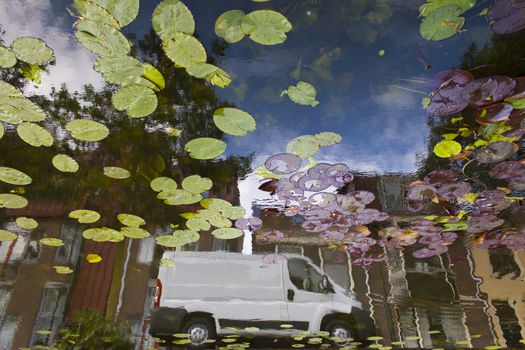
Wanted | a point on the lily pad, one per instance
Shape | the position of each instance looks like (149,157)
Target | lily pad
(506,16)
(15,110)
(179,197)
(328,138)
(1,131)
(124,11)
(12,201)
(233,212)
(198,224)
(14,177)
(304,146)
(488,90)
(102,39)
(63,270)
(171,17)
(205,148)
(138,101)
(32,50)
(152,74)
(227,233)
(211,73)
(196,184)
(215,204)
(7,57)
(266,27)
(442,23)
(134,232)
(228,26)
(85,216)
(446,149)
(123,70)
(233,121)
(494,152)
(131,220)
(184,50)
(163,184)
(34,134)
(52,242)
(8,90)
(65,163)
(115,172)
(178,239)
(26,223)
(87,130)
(93,258)
(303,93)
(103,234)
(432,5)
(7,236)
(94,12)
(283,163)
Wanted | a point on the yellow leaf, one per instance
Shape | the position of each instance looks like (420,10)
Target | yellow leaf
(446,149)
(93,258)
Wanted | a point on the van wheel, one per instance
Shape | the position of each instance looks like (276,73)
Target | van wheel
(199,329)
(340,329)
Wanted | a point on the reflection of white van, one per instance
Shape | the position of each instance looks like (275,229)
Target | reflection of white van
(217,293)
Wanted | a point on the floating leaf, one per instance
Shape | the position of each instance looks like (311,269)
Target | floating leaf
(266,27)
(65,163)
(284,163)
(233,121)
(138,101)
(197,224)
(134,232)
(26,223)
(6,235)
(432,5)
(304,146)
(227,233)
(115,172)
(14,177)
(123,70)
(303,93)
(32,50)
(34,134)
(233,212)
(179,197)
(506,16)
(328,138)
(63,270)
(124,11)
(7,57)
(163,184)
(211,73)
(52,242)
(16,109)
(205,148)
(442,23)
(196,184)
(131,220)
(184,50)
(1,131)
(216,204)
(101,38)
(446,149)
(178,239)
(85,216)
(87,130)
(152,74)
(8,90)
(103,234)
(495,152)
(171,17)
(488,90)
(228,26)
(93,258)
(517,103)
(94,12)
(12,201)
(381,53)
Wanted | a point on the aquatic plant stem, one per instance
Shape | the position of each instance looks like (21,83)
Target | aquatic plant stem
(470,178)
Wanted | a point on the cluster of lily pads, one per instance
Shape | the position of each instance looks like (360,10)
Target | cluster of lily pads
(174,24)
(98,30)
(443,19)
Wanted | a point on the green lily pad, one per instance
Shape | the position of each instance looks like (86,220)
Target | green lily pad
(116,172)
(14,177)
(266,27)
(171,17)
(138,101)
(446,149)
(85,216)
(63,270)
(184,50)
(216,204)
(52,242)
(179,197)
(227,233)
(205,148)
(32,50)
(198,224)
(103,234)
(211,73)
(234,212)
(26,223)
(328,138)
(124,11)
(303,93)
(93,12)
(123,70)
(102,39)
(304,146)
(12,201)
(228,26)
(219,221)
(432,5)
(163,184)
(134,232)
(178,238)
(34,134)
(131,220)
(8,90)
(233,121)
(196,184)
(1,131)
(15,110)
(152,74)
(7,57)
(442,24)
(7,236)
(65,163)
(87,130)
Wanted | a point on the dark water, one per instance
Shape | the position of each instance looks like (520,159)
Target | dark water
(469,296)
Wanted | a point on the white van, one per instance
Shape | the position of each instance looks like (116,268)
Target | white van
(219,293)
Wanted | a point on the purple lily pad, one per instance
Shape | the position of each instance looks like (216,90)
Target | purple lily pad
(316,225)
(448,98)
(507,170)
(519,90)
(421,193)
(252,224)
(494,152)
(332,236)
(454,190)
(363,197)
(316,214)
(441,177)
(323,199)
(284,163)
(493,113)
(514,241)
(308,183)
(483,223)
(506,16)
(319,171)
(273,235)
(424,253)
(517,183)
(489,90)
